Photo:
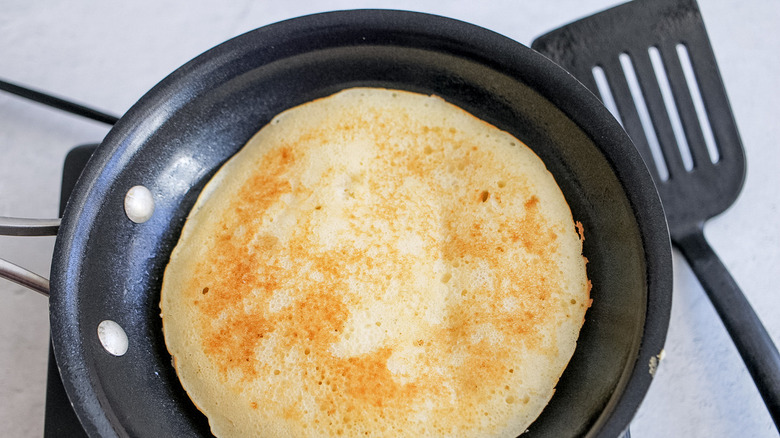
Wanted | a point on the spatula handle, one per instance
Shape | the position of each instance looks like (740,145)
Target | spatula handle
(750,337)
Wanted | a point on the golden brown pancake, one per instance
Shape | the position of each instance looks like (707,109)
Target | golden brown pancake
(376,263)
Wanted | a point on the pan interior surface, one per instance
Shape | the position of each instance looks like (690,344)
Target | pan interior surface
(107,267)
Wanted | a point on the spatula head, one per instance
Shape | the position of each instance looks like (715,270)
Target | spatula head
(651,63)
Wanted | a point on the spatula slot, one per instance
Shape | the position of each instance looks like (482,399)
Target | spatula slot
(698,102)
(671,106)
(606,94)
(644,116)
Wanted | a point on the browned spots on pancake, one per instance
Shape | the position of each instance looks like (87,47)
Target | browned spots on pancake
(531,203)
(233,274)
(315,321)
(476,240)
(235,332)
(368,380)
(235,279)
(484,368)
(234,343)
(263,188)
(350,383)
(361,389)
(484,363)
(532,231)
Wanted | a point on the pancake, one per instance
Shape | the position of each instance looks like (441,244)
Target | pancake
(376,263)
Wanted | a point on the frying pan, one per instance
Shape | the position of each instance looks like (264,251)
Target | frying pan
(107,267)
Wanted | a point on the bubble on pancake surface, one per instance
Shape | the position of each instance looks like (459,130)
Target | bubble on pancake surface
(398,307)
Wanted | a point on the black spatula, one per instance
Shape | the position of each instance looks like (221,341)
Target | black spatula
(651,61)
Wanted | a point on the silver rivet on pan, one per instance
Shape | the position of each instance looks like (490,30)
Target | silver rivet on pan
(112,337)
(139,204)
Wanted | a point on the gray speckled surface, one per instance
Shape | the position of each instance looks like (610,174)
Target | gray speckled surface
(108,54)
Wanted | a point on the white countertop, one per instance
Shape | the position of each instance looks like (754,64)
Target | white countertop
(108,54)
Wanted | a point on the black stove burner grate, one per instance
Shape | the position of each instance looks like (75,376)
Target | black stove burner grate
(60,419)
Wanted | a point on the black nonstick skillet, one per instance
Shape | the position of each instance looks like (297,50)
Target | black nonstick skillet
(110,256)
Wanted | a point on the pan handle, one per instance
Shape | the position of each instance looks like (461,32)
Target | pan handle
(56,102)
(14,226)
(10,226)
(26,278)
